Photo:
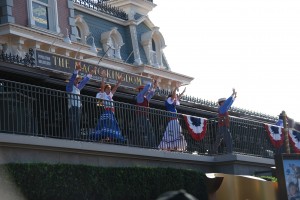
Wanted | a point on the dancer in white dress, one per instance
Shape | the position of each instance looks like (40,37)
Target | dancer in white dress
(173,140)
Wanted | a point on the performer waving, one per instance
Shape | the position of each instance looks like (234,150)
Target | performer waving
(144,133)
(173,138)
(223,123)
(107,126)
(74,86)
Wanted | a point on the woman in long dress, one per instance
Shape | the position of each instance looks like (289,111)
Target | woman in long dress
(107,127)
(173,139)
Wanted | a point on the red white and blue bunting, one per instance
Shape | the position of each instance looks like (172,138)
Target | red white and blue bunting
(275,134)
(295,140)
(196,126)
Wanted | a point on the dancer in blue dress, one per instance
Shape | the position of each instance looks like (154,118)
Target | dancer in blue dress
(107,127)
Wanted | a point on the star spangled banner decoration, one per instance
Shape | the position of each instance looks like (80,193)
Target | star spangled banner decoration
(196,126)
(295,140)
(275,134)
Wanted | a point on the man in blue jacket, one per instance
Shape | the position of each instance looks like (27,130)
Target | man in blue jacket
(224,122)
(75,84)
(144,134)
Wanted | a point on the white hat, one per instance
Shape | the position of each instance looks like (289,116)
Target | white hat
(221,99)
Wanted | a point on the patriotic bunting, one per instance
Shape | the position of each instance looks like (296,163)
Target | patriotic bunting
(275,134)
(196,126)
(295,140)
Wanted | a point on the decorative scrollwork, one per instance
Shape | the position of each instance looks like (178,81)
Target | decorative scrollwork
(28,60)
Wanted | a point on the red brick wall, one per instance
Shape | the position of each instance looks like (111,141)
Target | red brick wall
(63,15)
(19,11)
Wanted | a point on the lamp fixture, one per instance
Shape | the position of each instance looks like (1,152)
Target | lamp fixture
(93,48)
(67,38)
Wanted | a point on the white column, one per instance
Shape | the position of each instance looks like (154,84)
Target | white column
(135,45)
(55,16)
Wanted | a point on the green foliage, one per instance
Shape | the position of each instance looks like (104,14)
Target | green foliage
(71,182)
(269,178)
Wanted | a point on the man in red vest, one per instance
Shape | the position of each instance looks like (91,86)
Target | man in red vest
(224,122)
(144,133)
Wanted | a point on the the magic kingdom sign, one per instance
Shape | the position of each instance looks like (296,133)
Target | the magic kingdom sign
(65,64)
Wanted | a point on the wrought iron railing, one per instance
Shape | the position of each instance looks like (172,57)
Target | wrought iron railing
(28,59)
(104,7)
(213,104)
(43,112)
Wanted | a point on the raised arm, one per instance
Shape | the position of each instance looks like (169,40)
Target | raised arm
(174,94)
(120,79)
(70,84)
(141,94)
(152,90)
(86,78)
(225,107)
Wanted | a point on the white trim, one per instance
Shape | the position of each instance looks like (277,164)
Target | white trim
(154,58)
(113,39)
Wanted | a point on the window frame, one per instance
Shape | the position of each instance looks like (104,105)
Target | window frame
(52,18)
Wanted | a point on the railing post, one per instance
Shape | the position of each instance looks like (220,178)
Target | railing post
(286,132)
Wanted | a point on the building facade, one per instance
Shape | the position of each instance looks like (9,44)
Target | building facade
(116,35)
(40,43)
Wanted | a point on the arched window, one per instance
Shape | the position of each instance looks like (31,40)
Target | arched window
(112,42)
(153,44)
(82,29)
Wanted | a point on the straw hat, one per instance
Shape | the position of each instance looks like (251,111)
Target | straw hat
(221,100)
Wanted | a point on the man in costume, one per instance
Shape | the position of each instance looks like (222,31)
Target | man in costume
(75,84)
(144,133)
(224,123)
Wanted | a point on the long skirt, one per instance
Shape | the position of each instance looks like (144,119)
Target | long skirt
(107,128)
(173,138)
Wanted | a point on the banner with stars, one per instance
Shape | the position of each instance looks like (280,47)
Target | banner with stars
(196,126)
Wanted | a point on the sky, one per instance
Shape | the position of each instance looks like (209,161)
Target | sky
(250,45)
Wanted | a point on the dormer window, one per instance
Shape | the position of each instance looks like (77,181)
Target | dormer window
(112,42)
(153,44)
(82,29)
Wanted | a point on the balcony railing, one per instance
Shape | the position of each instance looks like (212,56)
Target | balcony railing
(43,112)
(104,7)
